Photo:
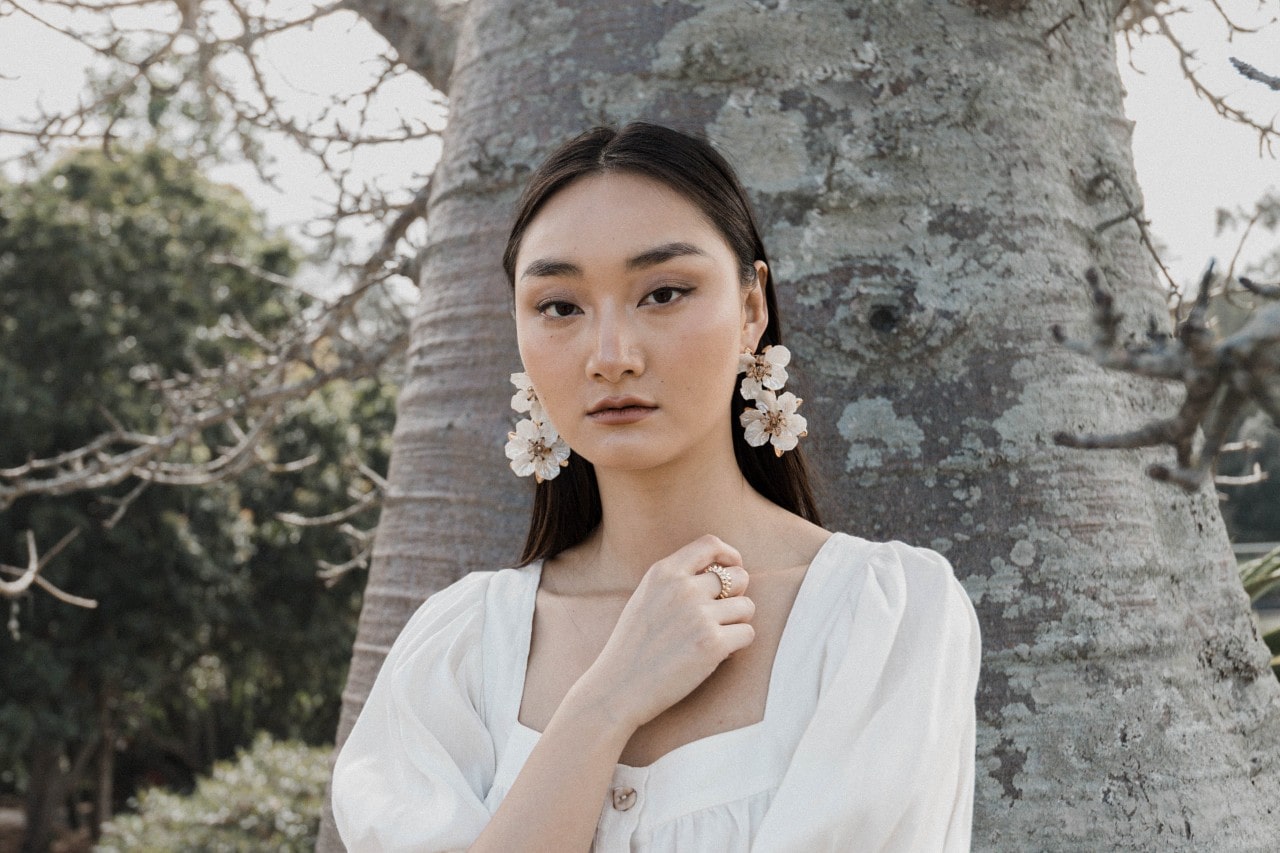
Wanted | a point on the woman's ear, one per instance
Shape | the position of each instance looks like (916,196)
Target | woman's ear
(755,309)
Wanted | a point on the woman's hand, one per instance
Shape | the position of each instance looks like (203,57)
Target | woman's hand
(672,634)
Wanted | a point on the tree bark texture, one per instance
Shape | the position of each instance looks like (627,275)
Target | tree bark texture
(931,177)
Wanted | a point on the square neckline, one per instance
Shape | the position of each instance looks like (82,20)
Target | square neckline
(807,590)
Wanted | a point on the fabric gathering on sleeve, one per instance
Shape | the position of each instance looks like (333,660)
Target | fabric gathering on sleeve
(415,769)
(886,762)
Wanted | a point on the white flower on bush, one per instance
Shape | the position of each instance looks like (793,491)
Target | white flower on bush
(768,370)
(537,449)
(774,420)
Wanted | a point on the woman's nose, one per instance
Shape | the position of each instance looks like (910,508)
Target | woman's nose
(615,352)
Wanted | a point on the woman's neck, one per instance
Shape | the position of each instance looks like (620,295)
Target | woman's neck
(649,514)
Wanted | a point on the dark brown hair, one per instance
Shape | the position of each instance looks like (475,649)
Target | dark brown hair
(567,508)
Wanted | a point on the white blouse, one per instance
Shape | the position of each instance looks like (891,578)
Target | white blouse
(867,740)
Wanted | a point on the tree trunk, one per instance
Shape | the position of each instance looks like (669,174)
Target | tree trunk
(46,796)
(105,789)
(931,177)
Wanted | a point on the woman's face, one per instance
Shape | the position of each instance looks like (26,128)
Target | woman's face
(630,317)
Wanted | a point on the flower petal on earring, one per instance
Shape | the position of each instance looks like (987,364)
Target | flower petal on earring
(526,399)
(537,449)
(774,420)
(765,370)
(776,359)
(524,396)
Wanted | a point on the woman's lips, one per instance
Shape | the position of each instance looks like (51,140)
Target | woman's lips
(622,415)
(620,409)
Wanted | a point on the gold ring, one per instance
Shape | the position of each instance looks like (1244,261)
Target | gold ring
(726,579)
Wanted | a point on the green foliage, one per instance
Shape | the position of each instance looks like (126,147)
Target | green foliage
(107,265)
(212,623)
(1260,576)
(268,798)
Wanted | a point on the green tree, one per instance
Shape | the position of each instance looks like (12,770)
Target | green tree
(211,622)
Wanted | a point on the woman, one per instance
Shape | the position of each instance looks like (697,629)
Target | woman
(686,659)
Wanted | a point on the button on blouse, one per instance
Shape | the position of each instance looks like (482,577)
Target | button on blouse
(624,798)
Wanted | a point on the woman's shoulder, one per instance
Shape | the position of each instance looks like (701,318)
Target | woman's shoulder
(897,590)
(911,577)
(892,555)
(457,611)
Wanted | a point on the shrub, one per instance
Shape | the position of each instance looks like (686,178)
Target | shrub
(267,798)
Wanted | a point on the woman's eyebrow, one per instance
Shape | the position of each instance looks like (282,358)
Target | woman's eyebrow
(551,268)
(557,268)
(659,254)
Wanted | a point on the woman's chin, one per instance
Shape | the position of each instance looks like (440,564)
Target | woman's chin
(619,457)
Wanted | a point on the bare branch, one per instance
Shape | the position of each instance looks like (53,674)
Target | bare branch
(377,479)
(253,269)
(216,420)
(98,464)
(287,467)
(1253,220)
(123,504)
(1133,211)
(31,574)
(369,500)
(1220,377)
(1270,291)
(361,540)
(424,34)
(1266,132)
(1257,475)
(1248,71)
(60,594)
(331,573)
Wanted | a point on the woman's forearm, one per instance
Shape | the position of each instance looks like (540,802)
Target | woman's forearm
(555,801)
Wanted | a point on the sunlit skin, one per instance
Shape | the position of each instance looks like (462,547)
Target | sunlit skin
(624,289)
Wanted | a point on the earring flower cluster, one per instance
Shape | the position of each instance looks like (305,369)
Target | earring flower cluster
(535,447)
(774,419)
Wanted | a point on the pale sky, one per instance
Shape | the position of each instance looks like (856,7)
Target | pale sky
(1189,160)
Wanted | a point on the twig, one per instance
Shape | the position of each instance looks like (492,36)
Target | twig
(370,499)
(1133,211)
(31,574)
(1248,71)
(123,504)
(1257,475)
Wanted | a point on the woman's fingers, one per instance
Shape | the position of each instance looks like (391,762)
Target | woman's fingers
(727,611)
(699,556)
(738,635)
(737,581)
(702,552)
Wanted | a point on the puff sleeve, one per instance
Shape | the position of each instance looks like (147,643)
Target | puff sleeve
(414,772)
(887,761)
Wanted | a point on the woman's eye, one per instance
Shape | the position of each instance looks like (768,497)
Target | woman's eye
(665,295)
(557,309)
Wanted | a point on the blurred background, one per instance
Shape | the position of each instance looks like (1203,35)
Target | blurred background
(209,222)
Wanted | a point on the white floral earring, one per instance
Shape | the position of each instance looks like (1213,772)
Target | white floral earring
(535,447)
(774,418)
